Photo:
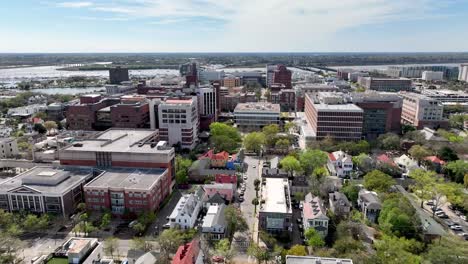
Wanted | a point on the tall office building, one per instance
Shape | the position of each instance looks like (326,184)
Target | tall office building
(463,75)
(282,75)
(420,111)
(118,75)
(179,121)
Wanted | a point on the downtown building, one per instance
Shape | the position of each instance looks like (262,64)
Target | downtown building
(385,84)
(281,75)
(256,115)
(422,111)
(118,75)
(179,121)
(382,112)
(84,116)
(329,116)
(416,71)
(463,75)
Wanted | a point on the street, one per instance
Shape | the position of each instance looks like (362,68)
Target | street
(247,207)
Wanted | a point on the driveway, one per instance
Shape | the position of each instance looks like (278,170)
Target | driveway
(156,226)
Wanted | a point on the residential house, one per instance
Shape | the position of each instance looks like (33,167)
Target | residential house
(435,163)
(214,224)
(221,160)
(340,164)
(226,190)
(275,214)
(370,204)
(189,253)
(215,199)
(339,203)
(201,170)
(226,178)
(406,163)
(315,215)
(187,209)
(386,160)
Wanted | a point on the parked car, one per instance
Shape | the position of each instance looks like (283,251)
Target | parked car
(241,199)
(456,228)
(245,178)
(442,215)
(253,166)
(430,203)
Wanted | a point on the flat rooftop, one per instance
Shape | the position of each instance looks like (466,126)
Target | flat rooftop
(127,178)
(47,179)
(120,140)
(275,194)
(315,260)
(338,107)
(258,107)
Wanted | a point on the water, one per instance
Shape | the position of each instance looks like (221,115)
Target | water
(70,91)
(12,76)
(384,67)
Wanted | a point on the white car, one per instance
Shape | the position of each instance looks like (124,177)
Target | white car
(456,228)
(245,178)
(254,166)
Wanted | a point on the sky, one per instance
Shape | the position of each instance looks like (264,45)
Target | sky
(233,25)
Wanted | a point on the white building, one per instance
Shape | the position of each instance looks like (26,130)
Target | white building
(187,209)
(353,76)
(340,164)
(179,121)
(463,73)
(447,96)
(207,100)
(315,215)
(214,223)
(256,115)
(26,111)
(420,110)
(210,75)
(8,148)
(432,76)
(125,87)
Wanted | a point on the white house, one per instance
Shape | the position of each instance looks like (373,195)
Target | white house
(340,164)
(214,223)
(315,215)
(187,209)
(406,163)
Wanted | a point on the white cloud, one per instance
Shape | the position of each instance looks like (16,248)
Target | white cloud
(169,21)
(75,4)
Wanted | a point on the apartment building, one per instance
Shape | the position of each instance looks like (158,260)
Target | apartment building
(45,190)
(385,84)
(275,214)
(128,190)
(419,111)
(446,96)
(232,81)
(463,75)
(382,112)
(179,121)
(214,226)
(330,117)
(430,76)
(256,115)
(121,148)
(187,209)
(8,148)
(416,71)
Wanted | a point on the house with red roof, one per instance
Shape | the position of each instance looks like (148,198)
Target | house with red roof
(435,162)
(385,159)
(315,215)
(221,159)
(340,164)
(188,254)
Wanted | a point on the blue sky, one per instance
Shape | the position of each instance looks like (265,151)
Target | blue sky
(233,25)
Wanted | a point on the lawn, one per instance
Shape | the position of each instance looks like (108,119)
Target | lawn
(58,261)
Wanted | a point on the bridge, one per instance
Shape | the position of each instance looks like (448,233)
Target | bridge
(319,68)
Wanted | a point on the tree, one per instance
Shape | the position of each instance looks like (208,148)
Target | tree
(299,196)
(424,182)
(254,141)
(33,223)
(169,240)
(398,217)
(39,128)
(415,136)
(313,238)
(351,190)
(142,243)
(419,152)
(41,115)
(465,181)
(457,170)
(234,220)
(224,137)
(389,141)
(255,202)
(393,250)
(297,250)
(259,253)
(348,245)
(105,221)
(290,164)
(288,126)
(457,121)
(282,144)
(447,154)
(111,246)
(10,247)
(139,228)
(363,162)
(81,207)
(378,181)
(270,132)
(223,248)
(449,249)
(311,159)
(49,125)
(267,94)
(182,167)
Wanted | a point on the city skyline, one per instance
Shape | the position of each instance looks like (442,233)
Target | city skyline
(233,26)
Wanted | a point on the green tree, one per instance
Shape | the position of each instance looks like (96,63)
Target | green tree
(311,159)
(299,196)
(363,162)
(290,164)
(457,170)
(389,141)
(259,253)
(313,238)
(297,250)
(41,115)
(10,248)
(419,152)
(142,243)
(288,126)
(111,246)
(224,137)
(424,182)
(234,220)
(456,121)
(398,217)
(271,132)
(49,125)
(169,240)
(255,202)
(449,249)
(105,221)
(348,245)
(393,250)
(447,154)
(415,136)
(282,144)
(378,181)
(81,207)
(39,128)
(351,190)
(182,168)
(254,141)
(223,248)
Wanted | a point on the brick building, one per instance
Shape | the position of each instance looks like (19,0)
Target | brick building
(131,112)
(83,116)
(328,117)
(188,254)
(282,75)
(130,191)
